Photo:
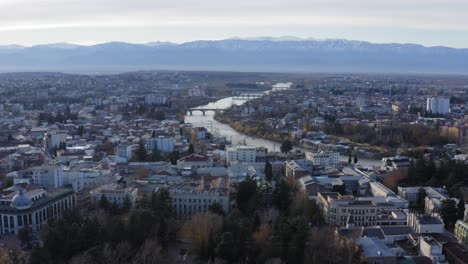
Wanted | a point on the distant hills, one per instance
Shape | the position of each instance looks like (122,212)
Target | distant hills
(285,54)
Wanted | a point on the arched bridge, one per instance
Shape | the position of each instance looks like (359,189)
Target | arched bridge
(203,110)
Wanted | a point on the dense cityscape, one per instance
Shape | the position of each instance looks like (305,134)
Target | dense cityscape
(222,167)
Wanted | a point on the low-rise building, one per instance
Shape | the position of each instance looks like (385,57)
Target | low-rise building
(461,231)
(32,208)
(191,198)
(432,249)
(424,224)
(347,210)
(116,193)
(324,158)
(195,161)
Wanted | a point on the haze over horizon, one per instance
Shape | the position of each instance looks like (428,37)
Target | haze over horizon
(86,22)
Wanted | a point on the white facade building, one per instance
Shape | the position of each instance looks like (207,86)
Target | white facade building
(115,193)
(438,105)
(154,99)
(53,139)
(324,158)
(32,208)
(241,154)
(190,199)
(124,151)
(165,144)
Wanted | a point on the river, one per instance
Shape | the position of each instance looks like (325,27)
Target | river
(222,130)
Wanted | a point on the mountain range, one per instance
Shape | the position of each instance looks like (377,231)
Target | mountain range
(284,54)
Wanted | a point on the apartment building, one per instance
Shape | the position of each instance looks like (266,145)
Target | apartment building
(324,158)
(241,154)
(347,210)
(191,198)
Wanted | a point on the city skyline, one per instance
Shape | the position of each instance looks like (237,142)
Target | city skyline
(430,23)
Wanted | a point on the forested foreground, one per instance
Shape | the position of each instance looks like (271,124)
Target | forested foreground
(266,225)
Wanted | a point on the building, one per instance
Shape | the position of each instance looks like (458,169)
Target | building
(295,169)
(438,105)
(195,161)
(124,151)
(376,252)
(45,176)
(154,99)
(360,104)
(346,210)
(432,249)
(424,224)
(324,158)
(32,207)
(411,193)
(53,139)
(164,144)
(241,154)
(191,198)
(394,163)
(461,231)
(116,193)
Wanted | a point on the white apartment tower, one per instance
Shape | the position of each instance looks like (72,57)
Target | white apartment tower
(438,105)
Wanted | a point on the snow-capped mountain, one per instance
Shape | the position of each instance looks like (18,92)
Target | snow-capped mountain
(252,54)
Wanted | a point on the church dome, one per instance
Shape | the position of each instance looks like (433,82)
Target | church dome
(21,201)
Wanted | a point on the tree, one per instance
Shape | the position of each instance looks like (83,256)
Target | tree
(104,202)
(24,235)
(341,189)
(10,137)
(155,154)
(268,171)
(216,208)
(175,157)
(448,212)
(127,204)
(247,195)
(226,248)
(355,157)
(286,146)
(349,158)
(461,209)
(141,151)
(191,149)
(421,202)
(281,197)
(80,131)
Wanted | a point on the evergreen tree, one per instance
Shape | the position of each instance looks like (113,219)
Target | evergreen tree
(216,208)
(24,236)
(247,195)
(127,204)
(80,131)
(349,158)
(141,151)
(448,212)
(155,155)
(191,149)
(461,209)
(268,171)
(355,157)
(421,202)
(281,197)
(104,202)
(286,146)
(175,157)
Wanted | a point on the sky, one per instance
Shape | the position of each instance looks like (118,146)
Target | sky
(87,22)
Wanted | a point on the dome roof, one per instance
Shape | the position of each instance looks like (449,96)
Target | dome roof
(21,201)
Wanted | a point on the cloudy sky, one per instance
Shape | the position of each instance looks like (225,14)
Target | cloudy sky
(428,22)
